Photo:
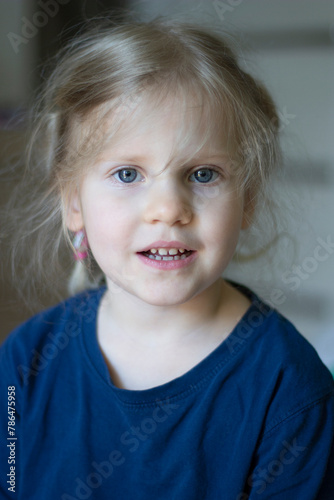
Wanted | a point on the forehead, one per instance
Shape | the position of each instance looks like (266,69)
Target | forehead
(185,124)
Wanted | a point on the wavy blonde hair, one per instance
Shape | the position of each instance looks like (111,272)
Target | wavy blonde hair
(107,67)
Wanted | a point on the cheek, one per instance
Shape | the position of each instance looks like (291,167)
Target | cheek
(108,224)
(222,221)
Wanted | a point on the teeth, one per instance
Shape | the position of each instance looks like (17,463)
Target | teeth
(166,251)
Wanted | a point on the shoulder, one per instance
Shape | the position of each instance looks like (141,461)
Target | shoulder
(51,325)
(293,356)
(298,425)
(284,372)
(294,379)
(276,341)
(300,373)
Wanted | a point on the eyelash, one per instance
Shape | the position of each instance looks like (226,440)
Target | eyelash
(132,169)
(122,170)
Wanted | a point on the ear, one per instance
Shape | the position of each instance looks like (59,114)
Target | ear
(73,212)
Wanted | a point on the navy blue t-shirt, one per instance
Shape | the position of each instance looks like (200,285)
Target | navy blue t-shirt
(253,420)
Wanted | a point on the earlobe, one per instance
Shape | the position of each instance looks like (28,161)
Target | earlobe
(73,213)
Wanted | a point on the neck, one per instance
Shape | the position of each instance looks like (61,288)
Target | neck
(137,319)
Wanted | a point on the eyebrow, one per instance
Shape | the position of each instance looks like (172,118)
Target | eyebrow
(126,159)
(186,159)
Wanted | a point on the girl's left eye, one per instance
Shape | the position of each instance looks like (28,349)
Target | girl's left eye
(127,175)
(204,175)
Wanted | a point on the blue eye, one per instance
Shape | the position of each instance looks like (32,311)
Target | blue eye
(126,175)
(204,175)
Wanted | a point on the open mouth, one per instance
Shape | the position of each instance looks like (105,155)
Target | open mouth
(166,254)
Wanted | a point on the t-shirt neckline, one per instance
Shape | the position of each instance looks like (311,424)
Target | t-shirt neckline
(180,387)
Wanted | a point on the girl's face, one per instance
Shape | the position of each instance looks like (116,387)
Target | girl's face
(162,217)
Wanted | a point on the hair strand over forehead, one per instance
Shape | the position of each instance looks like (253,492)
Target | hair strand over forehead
(109,67)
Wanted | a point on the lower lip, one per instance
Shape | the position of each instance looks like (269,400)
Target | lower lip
(168,264)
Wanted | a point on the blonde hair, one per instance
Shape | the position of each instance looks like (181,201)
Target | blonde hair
(108,67)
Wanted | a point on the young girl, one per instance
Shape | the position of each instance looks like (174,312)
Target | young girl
(154,149)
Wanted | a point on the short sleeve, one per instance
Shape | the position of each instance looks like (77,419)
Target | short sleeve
(295,459)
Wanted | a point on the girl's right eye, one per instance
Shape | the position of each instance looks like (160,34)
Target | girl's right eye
(127,175)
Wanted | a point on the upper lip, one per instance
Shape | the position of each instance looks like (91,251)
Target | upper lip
(166,244)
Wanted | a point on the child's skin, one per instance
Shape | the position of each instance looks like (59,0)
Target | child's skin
(156,323)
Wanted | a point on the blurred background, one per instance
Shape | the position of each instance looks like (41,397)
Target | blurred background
(289,46)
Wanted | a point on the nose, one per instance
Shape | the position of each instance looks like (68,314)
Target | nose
(168,204)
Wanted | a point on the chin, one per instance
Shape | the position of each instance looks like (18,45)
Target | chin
(163,300)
